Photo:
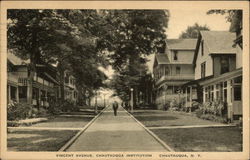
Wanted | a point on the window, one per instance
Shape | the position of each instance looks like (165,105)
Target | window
(224,64)
(203,69)
(202,47)
(238,80)
(13,91)
(67,78)
(175,55)
(166,71)
(178,70)
(237,93)
(22,91)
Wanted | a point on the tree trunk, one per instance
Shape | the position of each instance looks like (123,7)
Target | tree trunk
(31,72)
(61,77)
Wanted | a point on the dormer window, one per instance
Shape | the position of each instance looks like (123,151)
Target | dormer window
(224,64)
(175,55)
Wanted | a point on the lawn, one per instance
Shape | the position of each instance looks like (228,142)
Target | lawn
(34,140)
(48,140)
(156,118)
(224,139)
(65,121)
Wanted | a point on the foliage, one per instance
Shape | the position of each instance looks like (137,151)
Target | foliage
(133,33)
(232,16)
(193,31)
(214,110)
(215,107)
(68,106)
(89,38)
(133,76)
(18,111)
(213,117)
(60,37)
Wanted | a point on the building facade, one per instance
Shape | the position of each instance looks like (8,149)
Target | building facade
(218,70)
(172,69)
(70,90)
(43,85)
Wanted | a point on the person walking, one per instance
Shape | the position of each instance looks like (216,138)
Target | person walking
(115,107)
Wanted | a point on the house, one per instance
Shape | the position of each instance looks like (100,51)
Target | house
(70,90)
(43,86)
(172,69)
(218,70)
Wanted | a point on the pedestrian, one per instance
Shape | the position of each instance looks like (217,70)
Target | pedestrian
(115,107)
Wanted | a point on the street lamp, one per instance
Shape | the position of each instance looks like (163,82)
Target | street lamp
(131,100)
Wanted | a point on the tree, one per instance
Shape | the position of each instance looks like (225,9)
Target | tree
(134,76)
(193,31)
(232,16)
(132,35)
(54,37)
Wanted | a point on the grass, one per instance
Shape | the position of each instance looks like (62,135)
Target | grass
(151,118)
(67,122)
(42,140)
(224,139)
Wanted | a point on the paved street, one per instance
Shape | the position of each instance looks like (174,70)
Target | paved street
(120,133)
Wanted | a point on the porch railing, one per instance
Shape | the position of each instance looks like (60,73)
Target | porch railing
(176,77)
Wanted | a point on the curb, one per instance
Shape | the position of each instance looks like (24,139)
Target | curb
(152,134)
(193,126)
(72,140)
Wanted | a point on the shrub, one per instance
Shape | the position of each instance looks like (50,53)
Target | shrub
(166,106)
(199,113)
(17,111)
(55,107)
(42,112)
(214,111)
(34,112)
(69,105)
(213,117)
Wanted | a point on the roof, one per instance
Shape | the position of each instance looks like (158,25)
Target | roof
(219,42)
(162,58)
(16,60)
(181,44)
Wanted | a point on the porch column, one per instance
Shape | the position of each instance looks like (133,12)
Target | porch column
(28,93)
(39,97)
(46,97)
(229,102)
(17,94)
(190,98)
(204,94)
(9,93)
(186,97)
(214,91)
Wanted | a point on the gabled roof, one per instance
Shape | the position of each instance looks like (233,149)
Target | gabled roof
(219,42)
(162,58)
(181,44)
(16,60)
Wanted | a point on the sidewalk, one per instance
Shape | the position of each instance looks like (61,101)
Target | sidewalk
(120,133)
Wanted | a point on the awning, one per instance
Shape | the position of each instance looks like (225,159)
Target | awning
(223,77)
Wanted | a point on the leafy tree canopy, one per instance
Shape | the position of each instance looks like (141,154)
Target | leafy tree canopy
(232,16)
(193,31)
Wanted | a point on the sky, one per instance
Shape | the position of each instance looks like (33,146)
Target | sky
(179,20)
